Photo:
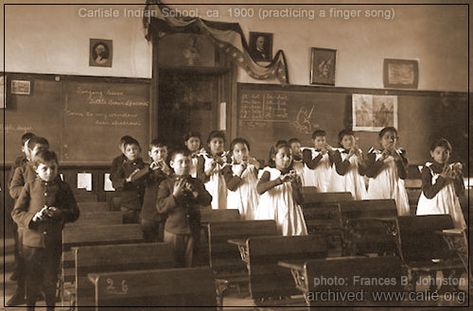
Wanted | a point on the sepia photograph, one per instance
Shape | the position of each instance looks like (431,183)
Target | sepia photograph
(195,155)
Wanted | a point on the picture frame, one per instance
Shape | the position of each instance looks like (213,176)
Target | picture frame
(322,66)
(100,53)
(20,87)
(261,46)
(374,112)
(400,73)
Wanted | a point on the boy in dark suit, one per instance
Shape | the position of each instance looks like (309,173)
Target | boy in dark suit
(44,205)
(179,198)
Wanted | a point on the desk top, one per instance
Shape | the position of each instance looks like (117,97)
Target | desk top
(239,242)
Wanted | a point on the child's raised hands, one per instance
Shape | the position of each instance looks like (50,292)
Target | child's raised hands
(179,186)
(40,215)
(288,177)
(130,178)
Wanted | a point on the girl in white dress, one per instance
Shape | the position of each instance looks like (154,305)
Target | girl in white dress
(442,184)
(210,171)
(241,177)
(347,159)
(193,143)
(297,163)
(280,194)
(387,169)
(318,162)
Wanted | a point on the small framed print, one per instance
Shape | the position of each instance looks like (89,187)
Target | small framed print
(400,73)
(261,46)
(322,66)
(21,87)
(100,53)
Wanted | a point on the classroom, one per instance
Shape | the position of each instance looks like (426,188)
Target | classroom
(187,154)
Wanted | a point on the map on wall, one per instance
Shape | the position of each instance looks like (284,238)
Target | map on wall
(373,112)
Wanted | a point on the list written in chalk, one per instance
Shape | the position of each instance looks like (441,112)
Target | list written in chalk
(103,112)
(263,107)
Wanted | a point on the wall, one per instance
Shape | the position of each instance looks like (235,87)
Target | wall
(55,39)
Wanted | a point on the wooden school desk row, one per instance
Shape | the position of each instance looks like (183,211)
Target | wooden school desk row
(107,263)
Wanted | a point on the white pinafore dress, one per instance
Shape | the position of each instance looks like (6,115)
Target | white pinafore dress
(278,204)
(352,181)
(388,185)
(444,202)
(216,185)
(245,198)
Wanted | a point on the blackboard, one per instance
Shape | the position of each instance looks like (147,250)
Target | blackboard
(82,117)
(268,112)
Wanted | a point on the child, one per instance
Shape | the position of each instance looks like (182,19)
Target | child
(442,184)
(318,162)
(118,160)
(241,179)
(272,151)
(347,159)
(280,190)
(297,163)
(179,198)
(129,182)
(193,143)
(18,272)
(387,169)
(210,170)
(157,171)
(44,205)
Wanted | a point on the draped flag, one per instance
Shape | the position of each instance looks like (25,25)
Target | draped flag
(227,36)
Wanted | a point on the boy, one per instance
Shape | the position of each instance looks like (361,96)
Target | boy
(129,181)
(318,162)
(158,170)
(20,176)
(25,154)
(179,198)
(44,205)
(118,161)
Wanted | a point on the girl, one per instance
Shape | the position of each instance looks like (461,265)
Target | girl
(209,171)
(193,144)
(442,184)
(280,190)
(297,163)
(387,169)
(346,159)
(241,179)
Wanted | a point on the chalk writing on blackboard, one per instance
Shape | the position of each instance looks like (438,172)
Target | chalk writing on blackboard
(10,128)
(111,288)
(266,107)
(303,122)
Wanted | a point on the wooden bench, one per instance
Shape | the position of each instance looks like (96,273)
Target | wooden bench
(424,249)
(370,226)
(225,259)
(267,278)
(192,287)
(319,277)
(114,258)
(98,218)
(90,207)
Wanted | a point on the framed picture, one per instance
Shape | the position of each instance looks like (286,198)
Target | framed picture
(373,112)
(400,73)
(261,46)
(21,87)
(186,49)
(322,66)
(100,53)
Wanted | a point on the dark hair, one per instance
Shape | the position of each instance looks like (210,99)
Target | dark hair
(239,140)
(216,134)
(125,138)
(318,133)
(182,151)
(387,129)
(25,137)
(37,140)
(441,142)
(45,156)
(280,144)
(157,143)
(293,140)
(131,141)
(343,133)
(192,134)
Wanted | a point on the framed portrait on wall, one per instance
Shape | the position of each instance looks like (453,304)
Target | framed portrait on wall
(373,112)
(400,73)
(100,53)
(322,66)
(261,46)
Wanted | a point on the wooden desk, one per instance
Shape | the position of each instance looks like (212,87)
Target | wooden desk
(298,272)
(457,241)
(242,248)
